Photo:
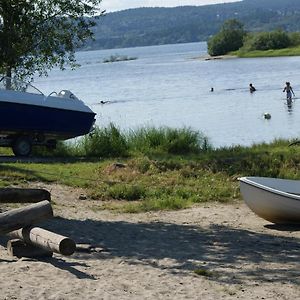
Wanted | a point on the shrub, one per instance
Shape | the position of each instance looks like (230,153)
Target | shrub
(294,38)
(267,40)
(230,38)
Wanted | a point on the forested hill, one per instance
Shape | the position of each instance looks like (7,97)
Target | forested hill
(155,26)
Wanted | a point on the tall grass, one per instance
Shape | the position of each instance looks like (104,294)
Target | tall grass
(112,142)
(102,142)
(167,140)
(105,142)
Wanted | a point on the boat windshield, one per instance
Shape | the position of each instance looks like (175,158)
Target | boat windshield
(8,83)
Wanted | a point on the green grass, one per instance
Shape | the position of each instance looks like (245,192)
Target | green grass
(204,272)
(112,142)
(293,51)
(167,140)
(148,177)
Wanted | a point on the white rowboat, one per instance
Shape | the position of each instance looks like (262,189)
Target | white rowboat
(275,200)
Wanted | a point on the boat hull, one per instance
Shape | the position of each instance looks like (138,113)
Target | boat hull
(275,200)
(18,118)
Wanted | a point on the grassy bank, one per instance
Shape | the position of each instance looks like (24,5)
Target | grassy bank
(293,51)
(155,169)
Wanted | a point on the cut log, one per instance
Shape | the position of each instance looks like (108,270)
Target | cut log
(20,249)
(25,216)
(17,195)
(45,239)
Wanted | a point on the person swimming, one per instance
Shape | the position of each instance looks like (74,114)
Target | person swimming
(103,102)
(252,88)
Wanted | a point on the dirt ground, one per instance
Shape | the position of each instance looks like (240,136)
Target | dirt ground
(155,255)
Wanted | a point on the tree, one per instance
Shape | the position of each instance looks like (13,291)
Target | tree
(229,38)
(36,35)
(267,40)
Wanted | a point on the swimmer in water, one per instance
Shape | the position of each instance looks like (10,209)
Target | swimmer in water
(252,88)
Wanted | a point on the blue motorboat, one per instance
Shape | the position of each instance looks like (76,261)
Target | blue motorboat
(28,117)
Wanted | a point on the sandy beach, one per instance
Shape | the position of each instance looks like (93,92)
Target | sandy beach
(155,255)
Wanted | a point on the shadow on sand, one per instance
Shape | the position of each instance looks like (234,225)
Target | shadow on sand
(232,254)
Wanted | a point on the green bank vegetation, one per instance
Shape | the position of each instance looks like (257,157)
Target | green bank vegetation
(270,44)
(291,51)
(233,39)
(154,168)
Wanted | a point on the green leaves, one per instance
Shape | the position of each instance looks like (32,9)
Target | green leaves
(277,39)
(230,38)
(37,35)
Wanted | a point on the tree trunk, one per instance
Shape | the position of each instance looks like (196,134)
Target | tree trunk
(45,239)
(15,195)
(25,216)
(20,249)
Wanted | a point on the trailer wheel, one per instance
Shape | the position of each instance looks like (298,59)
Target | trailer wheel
(22,146)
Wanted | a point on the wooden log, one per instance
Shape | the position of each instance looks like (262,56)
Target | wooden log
(45,239)
(25,216)
(18,195)
(20,249)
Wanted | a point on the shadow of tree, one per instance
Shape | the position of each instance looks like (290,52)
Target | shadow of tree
(45,159)
(10,164)
(70,267)
(232,254)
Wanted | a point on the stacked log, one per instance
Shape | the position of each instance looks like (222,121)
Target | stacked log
(25,216)
(30,241)
(45,239)
(19,248)
(18,195)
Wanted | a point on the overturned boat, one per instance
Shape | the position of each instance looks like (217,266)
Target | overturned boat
(275,200)
(28,117)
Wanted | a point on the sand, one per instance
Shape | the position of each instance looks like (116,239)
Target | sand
(154,255)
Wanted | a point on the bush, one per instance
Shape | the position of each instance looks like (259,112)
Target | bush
(230,38)
(294,38)
(217,45)
(267,41)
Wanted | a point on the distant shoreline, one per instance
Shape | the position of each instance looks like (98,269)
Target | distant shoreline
(285,52)
(208,57)
(292,51)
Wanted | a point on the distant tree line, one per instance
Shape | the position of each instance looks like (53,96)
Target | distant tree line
(157,26)
(232,37)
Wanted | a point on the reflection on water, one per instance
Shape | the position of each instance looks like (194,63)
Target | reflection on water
(166,85)
(289,104)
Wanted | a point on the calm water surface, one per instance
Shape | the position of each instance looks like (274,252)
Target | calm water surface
(166,85)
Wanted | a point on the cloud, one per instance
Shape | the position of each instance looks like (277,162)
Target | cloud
(114,5)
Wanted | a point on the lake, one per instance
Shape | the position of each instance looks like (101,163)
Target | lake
(170,85)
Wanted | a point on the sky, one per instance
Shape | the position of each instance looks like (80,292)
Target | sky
(115,5)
